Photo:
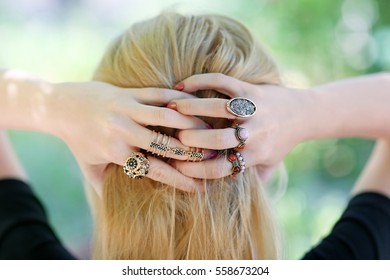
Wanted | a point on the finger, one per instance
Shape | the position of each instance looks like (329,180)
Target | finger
(217,139)
(216,81)
(161,116)
(118,151)
(140,137)
(158,96)
(164,173)
(208,107)
(209,169)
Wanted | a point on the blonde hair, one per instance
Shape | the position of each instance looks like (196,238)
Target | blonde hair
(145,219)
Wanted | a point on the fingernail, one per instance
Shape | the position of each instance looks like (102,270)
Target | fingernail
(213,154)
(209,126)
(179,86)
(172,105)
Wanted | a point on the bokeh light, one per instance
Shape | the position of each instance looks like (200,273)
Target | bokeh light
(312,41)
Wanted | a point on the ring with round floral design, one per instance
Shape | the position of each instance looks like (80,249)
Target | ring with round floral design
(241,135)
(241,107)
(136,166)
(237,161)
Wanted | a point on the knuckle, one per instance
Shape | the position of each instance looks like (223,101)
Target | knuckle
(162,115)
(165,95)
(183,138)
(111,120)
(219,78)
(112,149)
(112,152)
(184,106)
(116,149)
(266,154)
(160,95)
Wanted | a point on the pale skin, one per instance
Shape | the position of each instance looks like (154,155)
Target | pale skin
(99,122)
(355,107)
(358,107)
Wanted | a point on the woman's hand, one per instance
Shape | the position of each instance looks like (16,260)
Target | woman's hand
(103,124)
(278,125)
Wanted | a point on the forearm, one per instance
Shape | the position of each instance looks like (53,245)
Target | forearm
(9,164)
(376,174)
(25,102)
(358,107)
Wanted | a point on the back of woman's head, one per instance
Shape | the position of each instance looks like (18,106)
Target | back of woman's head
(145,219)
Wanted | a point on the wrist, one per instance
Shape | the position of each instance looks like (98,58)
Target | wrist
(306,125)
(312,118)
(59,108)
(24,101)
(355,107)
(323,117)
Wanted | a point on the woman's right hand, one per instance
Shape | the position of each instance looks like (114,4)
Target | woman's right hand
(355,107)
(103,124)
(279,124)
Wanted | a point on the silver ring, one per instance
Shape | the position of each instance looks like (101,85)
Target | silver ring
(241,107)
(241,135)
(136,166)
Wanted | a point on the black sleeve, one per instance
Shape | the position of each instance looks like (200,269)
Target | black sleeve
(24,230)
(363,231)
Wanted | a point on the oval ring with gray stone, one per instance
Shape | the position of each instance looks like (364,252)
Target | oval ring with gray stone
(241,107)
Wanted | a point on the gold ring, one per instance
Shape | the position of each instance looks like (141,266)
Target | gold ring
(136,166)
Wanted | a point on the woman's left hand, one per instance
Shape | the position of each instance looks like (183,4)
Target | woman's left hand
(103,124)
(277,126)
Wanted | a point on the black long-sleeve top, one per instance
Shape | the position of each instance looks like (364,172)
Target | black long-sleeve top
(362,232)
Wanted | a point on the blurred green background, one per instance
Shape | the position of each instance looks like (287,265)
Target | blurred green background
(312,41)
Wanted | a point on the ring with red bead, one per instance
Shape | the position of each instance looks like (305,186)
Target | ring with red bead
(237,161)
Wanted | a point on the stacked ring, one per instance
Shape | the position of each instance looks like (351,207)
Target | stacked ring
(237,161)
(136,166)
(159,145)
(166,146)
